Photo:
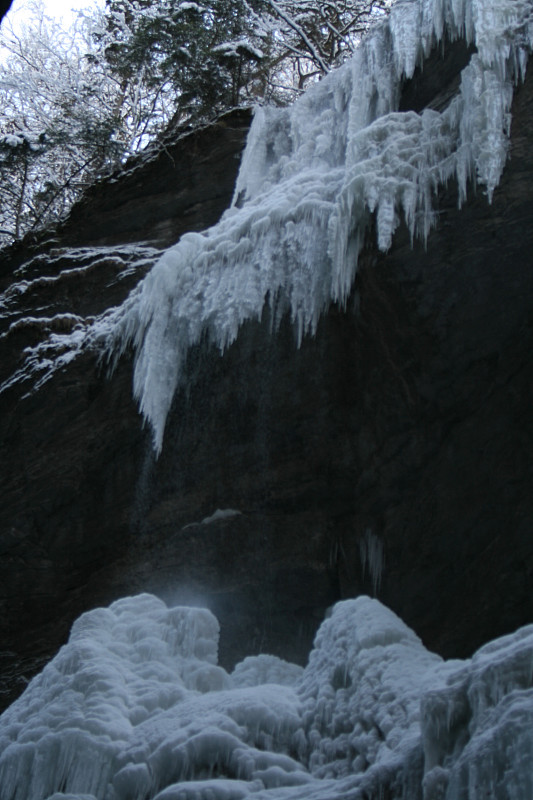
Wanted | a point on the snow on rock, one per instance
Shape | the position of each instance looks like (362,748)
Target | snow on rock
(311,177)
(64,336)
(220,514)
(41,362)
(134,707)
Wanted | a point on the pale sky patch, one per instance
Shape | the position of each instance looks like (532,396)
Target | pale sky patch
(64,10)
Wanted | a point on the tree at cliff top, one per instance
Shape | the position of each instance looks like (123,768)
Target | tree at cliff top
(211,56)
(197,59)
(313,36)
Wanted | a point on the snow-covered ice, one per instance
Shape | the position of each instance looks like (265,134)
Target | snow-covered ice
(135,707)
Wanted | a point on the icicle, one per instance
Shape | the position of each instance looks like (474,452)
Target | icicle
(371,552)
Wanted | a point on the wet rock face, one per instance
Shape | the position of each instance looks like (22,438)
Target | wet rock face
(391,453)
(444,469)
(185,185)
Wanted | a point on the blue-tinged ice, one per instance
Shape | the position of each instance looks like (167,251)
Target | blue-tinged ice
(135,707)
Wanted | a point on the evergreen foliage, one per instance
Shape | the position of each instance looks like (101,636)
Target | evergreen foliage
(206,54)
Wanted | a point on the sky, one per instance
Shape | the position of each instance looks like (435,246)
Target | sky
(54,8)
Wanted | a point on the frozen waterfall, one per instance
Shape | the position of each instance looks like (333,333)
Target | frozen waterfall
(312,176)
(134,707)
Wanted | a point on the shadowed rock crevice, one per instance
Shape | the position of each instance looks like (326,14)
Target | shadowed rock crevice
(437,80)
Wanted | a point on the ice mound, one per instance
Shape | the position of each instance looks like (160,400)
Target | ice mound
(135,702)
(311,178)
(478,729)
(134,707)
(362,689)
(120,665)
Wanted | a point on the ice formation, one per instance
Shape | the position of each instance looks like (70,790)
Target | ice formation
(371,553)
(311,177)
(134,707)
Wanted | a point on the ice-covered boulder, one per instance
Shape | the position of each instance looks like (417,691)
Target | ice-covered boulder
(121,665)
(478,729)
(135,703)
(134,707)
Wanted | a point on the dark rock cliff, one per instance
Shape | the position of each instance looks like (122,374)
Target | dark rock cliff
(399,437)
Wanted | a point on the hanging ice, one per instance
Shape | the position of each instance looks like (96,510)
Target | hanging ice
(312,174)
(134,707)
